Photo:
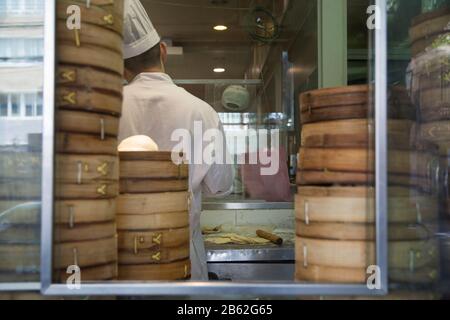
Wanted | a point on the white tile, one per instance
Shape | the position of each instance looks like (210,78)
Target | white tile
(280,219)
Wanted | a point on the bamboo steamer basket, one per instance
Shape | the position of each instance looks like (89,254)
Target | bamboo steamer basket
(355,205)
(90,34)
(19,234)
(150,172)
(158,221)
(20,212)
(84,99)
(20,165)
(23,189)
(14,277)
(78,76)
(71,213)
(355,133)
(80,169)
(20,258)
(93,56)
(400,104)
(179,270)
(84,232)
(426,27)
(107,14)
(152,185)
(107,272)
(98,190)
(87,144)
(335,104)
(154,256)
(85,253)
(135,241)
(148,204)
(319,166)
(346,261)
(87,122)
(362,231)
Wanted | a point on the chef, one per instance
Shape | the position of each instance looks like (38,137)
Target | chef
(154,106)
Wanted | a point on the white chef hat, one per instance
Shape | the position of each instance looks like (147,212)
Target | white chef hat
(139,35)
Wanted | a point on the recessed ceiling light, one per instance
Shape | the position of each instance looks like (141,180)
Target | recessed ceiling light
(220,28)
(219,70)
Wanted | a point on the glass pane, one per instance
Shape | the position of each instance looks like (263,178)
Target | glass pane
(419,59)
(20,140)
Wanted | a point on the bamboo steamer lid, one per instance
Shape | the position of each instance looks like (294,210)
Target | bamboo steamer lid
(147,204)
(428,26)
(85,253)
(335,104)
(154,256)
(21,258)
(158,221)
(20,165)
(107,15)
(424,44)
(355,133)
(98,273)
(85,99)
(23,189)
(89,34)
(155,272)
(87,122)
(435,103)
(98,190)
(84,232)
(355,205)
(136,241)
(94,56)
(409,255)
(74,143)
(152,185)
(71,213)
(362,231)
(78,76)
(80,169)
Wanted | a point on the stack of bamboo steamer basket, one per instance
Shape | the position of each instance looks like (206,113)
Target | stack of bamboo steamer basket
(89,102)
(20,194)
(430,89)
(153,217)
(335,209)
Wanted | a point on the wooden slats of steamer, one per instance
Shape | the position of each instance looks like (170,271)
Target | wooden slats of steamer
(335,201)
(153,217)
(89,102)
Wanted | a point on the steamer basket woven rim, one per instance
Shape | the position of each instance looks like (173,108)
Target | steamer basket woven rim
(104,272)
(149,155)
(430,15)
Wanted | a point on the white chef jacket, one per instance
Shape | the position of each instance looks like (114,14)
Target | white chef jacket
(154,106)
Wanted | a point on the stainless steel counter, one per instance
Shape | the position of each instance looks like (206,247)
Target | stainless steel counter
(231,204)
(255,263)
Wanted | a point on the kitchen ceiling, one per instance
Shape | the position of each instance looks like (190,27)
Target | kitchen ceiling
(189,24)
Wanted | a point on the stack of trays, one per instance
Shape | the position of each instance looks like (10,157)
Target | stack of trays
(20,193)
(335,209)
(89,102)
(153,217)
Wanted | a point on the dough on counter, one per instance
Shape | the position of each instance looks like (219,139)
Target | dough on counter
(232,238)
(138,144)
